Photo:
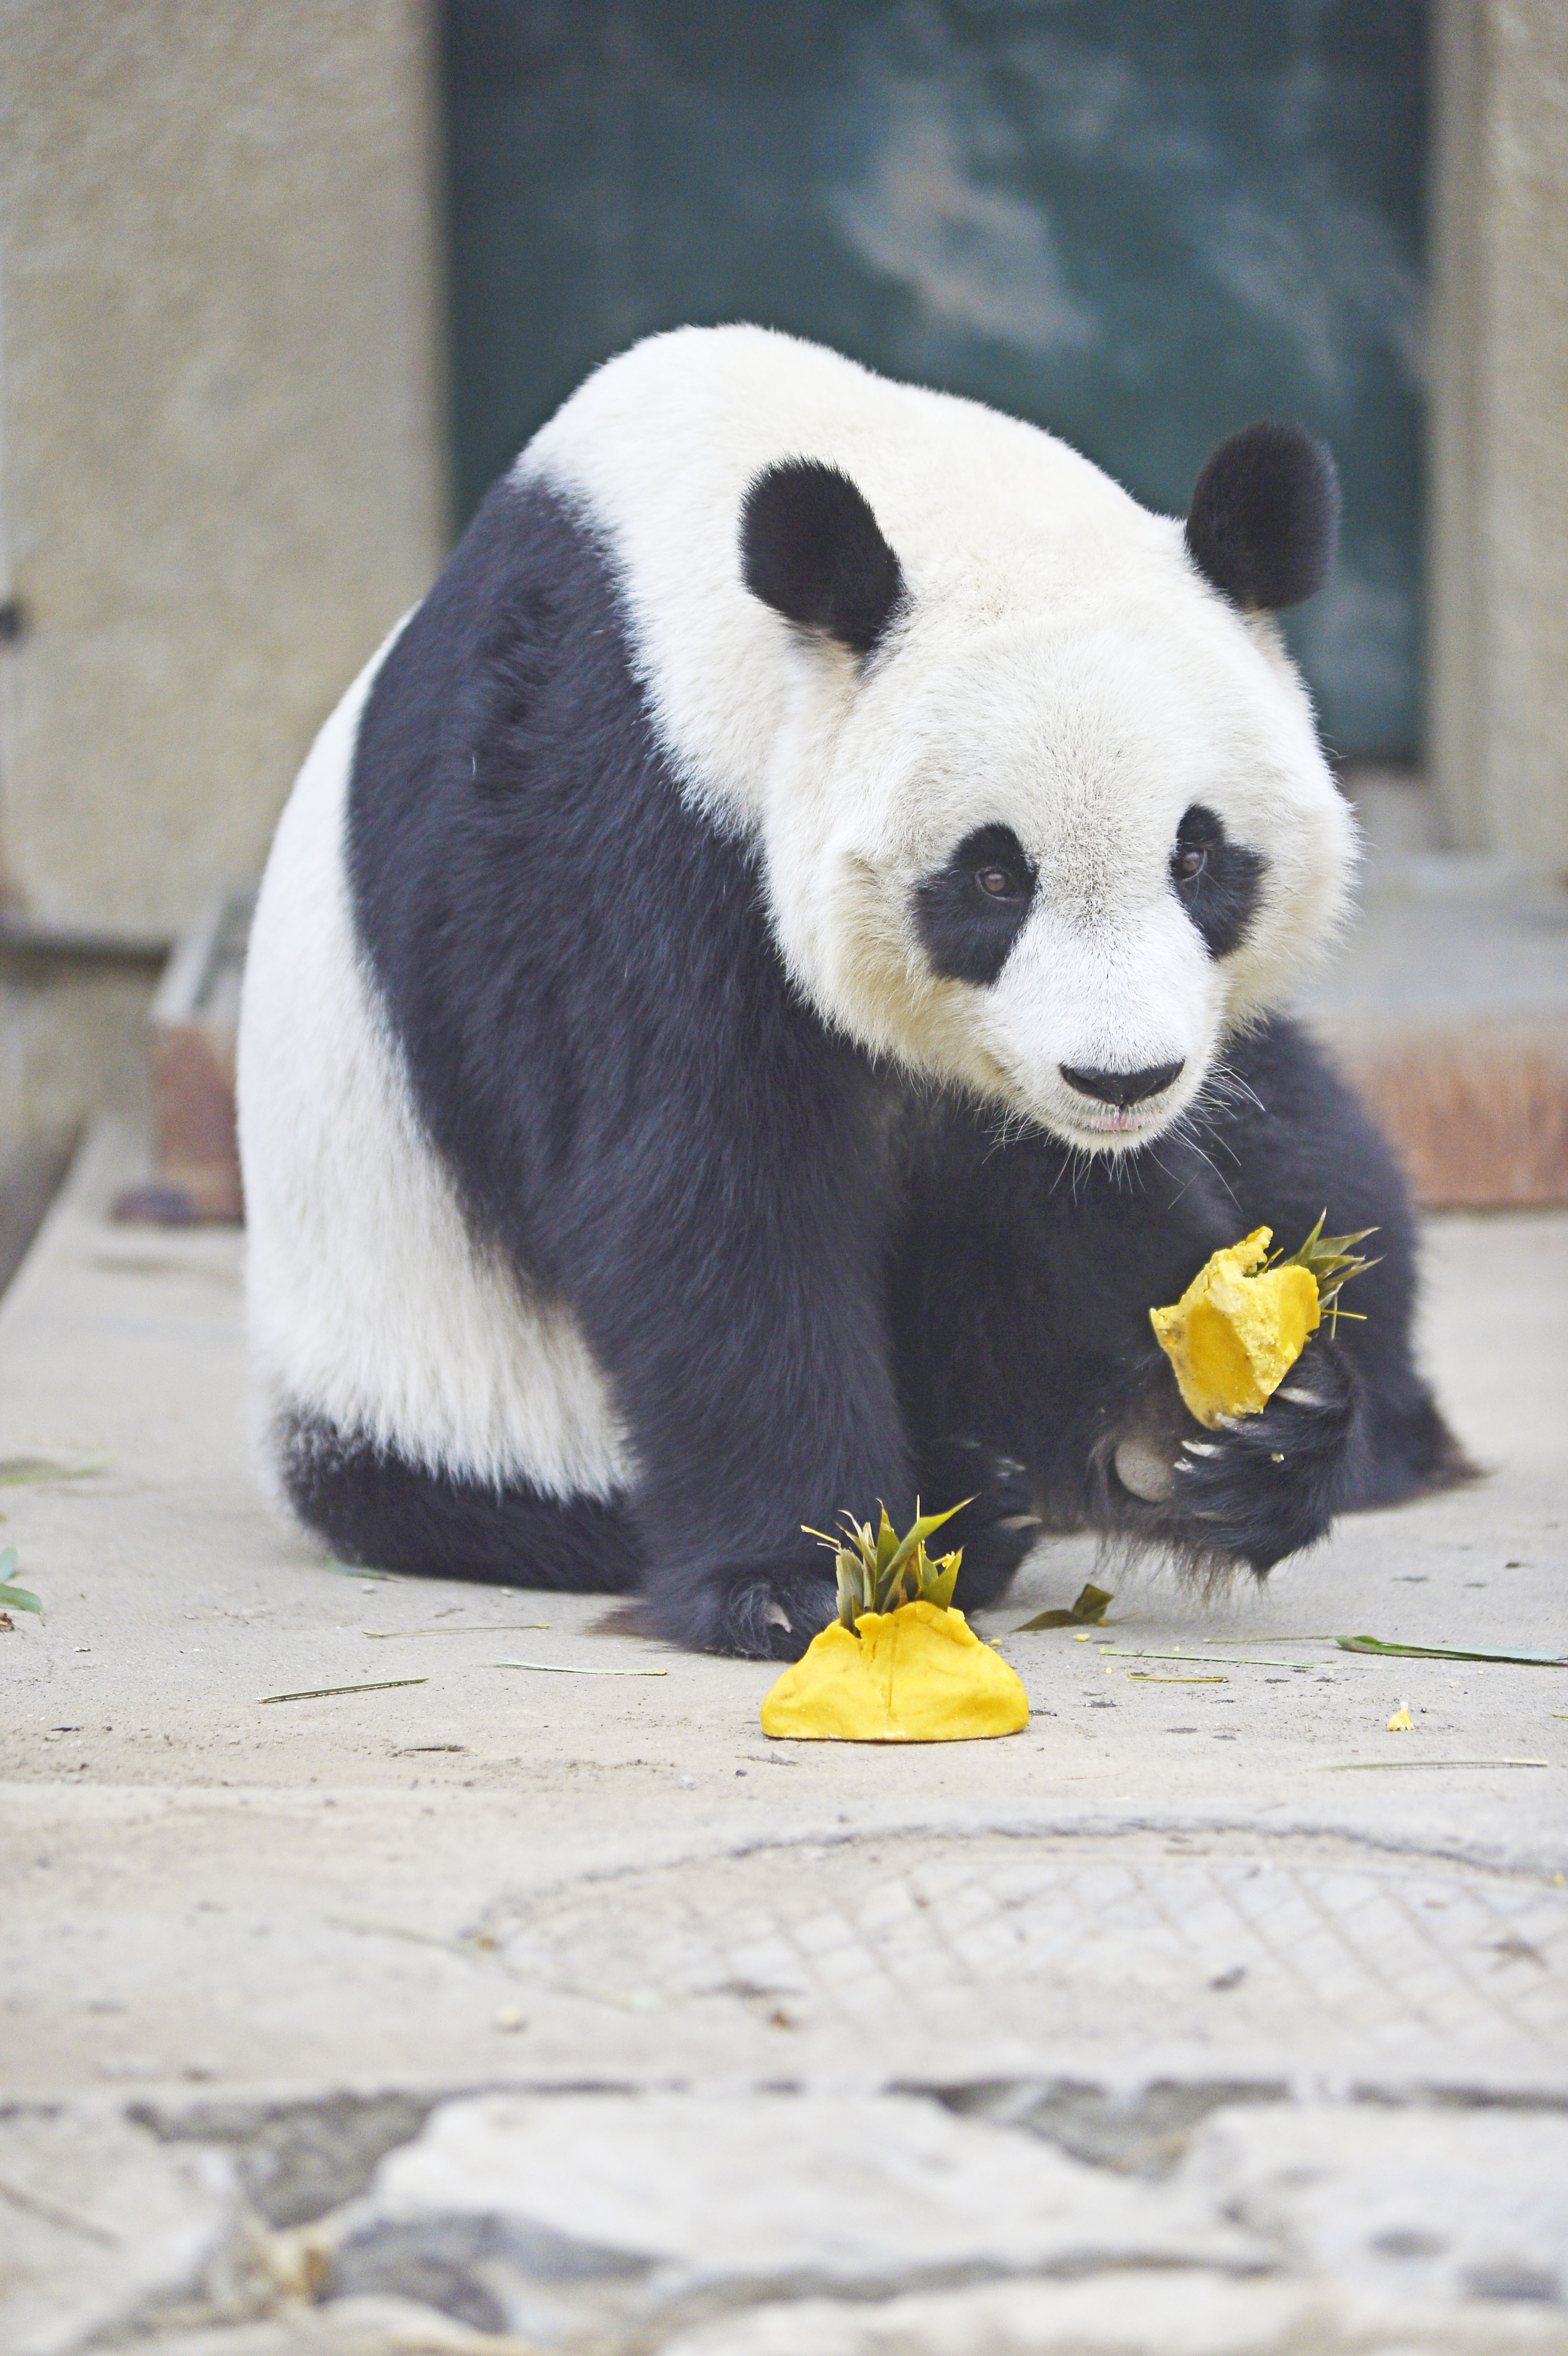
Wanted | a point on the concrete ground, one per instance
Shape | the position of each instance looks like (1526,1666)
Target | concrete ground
(514,2007)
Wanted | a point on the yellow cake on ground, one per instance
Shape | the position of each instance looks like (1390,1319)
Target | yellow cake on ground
(917,1674)
(898,1664)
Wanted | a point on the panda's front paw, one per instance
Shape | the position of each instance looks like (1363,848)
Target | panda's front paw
(1001,1520)
(767,1611)
(1263,1486)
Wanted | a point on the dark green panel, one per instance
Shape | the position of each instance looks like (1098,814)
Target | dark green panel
(1139,222)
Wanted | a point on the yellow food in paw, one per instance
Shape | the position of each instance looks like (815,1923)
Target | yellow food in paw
(1243,1320)
(1237,1330)
(898,1664)
(917,1674)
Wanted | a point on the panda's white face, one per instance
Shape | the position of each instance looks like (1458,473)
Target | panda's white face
(904,643)
(1057,861)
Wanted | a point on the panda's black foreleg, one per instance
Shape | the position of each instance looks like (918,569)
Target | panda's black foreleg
(1066,1409)
(734,1297)
(1022,1285)
(1251,1491)
(1000,1519)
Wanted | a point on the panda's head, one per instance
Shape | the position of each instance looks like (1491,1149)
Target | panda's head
(1052,823)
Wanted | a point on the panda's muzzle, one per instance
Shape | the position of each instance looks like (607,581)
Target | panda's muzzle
(1122,1089)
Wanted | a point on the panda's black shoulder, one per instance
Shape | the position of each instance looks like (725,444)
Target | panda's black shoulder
(568,953)
(517,623)
(1288,1074)
(1295,1140)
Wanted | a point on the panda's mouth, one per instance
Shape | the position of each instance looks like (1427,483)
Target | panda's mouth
(1113,1127)
(1115,1131)
(1106,1132)
(1118,1124)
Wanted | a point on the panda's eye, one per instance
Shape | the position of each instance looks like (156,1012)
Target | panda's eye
(1230,873)
(971,909)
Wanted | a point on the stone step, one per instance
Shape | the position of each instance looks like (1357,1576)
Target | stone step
(1447,1007)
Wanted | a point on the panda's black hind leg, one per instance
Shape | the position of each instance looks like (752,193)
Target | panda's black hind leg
(373,1507)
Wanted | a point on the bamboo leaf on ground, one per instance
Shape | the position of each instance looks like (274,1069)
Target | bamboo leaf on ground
(473,1628)
(1220,1660)
(1088,1610)
(1356,1766)
(19,1472)
(1454,1653)
(575,1669)
(18,1599)
(324,1693)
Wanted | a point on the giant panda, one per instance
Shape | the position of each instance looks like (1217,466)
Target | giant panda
(767,976)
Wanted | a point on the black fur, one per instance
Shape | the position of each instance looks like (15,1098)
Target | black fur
(1217,881)
(810,1288)
(967,926)
(1265,518)
(811,548)
(392,1515)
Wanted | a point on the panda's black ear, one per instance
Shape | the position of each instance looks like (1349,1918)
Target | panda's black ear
(1265,517)
(811,548)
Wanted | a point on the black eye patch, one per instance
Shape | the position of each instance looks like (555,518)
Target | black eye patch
(1217,881)
(970,911)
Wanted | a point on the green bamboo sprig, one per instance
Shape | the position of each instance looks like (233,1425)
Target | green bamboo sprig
(878,1572)
(14,1598)
(1332,1261)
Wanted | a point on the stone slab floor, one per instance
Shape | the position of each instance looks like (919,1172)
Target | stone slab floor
(511,2008)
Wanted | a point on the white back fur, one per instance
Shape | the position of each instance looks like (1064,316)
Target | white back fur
(367,1298)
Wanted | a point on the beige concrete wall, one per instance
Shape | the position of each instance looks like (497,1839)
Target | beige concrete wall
(219,404)
(1498,524)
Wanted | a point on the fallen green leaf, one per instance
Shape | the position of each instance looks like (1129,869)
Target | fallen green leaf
(1220,1660)
(473,1628)
(1359,1766)
(1089,1611)
(15,1471)
(322,1693)
(572,1669)
(21,1599)
(1454,1653)
(352,1570)
(1154,1677)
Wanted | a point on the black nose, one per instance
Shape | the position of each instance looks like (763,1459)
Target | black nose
(1122,1088)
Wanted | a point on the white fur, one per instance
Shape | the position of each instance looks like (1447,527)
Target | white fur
(1062,669)
(368,1300)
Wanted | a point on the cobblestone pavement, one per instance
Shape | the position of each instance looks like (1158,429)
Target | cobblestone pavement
(506,2009)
